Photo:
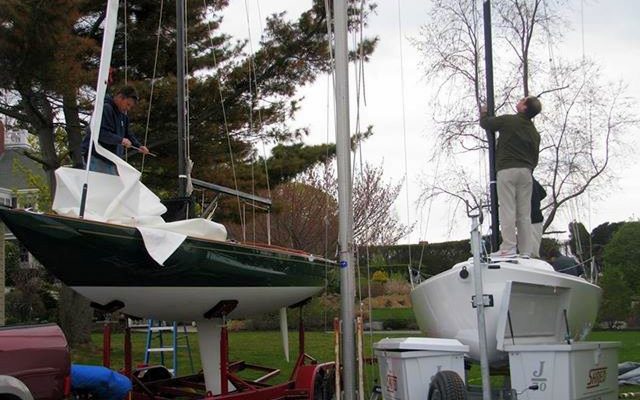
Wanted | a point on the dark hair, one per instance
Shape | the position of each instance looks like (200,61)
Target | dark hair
(533,106)
(128,92)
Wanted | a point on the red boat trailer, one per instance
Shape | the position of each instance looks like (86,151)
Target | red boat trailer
(309,379)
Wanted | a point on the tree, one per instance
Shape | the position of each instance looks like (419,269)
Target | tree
(579,241)
(375,221)
(616,302)
(40,59)
(303,217)
(305,213)
(236,98)
(583,119)
(601,235)
(623,254)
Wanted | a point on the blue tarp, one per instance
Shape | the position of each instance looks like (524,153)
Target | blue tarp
(100,381)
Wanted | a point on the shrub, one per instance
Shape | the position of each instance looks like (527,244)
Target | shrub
(397,286)
(380,277)
(616,302)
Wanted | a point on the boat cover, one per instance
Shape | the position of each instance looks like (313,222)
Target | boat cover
(123,199)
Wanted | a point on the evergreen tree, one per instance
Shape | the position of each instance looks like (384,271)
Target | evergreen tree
(50,52)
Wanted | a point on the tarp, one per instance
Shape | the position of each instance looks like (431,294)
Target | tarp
(629,373)
(101,382)
(124,200)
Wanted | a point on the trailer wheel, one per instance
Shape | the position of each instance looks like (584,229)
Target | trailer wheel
(447,385)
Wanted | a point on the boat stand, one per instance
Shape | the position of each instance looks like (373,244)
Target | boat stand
(309,379)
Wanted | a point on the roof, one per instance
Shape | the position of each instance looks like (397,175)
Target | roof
(11,178)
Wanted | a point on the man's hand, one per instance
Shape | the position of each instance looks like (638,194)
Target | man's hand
(126,142)
(143,150)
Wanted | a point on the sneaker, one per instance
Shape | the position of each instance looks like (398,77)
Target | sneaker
(504,253)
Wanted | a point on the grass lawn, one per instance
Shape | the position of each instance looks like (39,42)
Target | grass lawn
(265,348)
(381,314)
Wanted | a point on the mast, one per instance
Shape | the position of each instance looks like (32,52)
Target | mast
(180,82)
(491,136)
(343,152)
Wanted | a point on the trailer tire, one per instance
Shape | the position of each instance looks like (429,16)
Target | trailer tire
(447,385)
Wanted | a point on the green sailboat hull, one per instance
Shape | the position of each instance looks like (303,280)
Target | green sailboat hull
(107,262)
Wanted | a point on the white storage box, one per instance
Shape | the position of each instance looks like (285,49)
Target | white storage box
(407,364)
(584,370)
(533,329)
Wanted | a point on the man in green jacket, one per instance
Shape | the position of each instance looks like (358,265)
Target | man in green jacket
(516,158)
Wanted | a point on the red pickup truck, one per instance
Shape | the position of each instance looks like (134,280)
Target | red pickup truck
(34,363)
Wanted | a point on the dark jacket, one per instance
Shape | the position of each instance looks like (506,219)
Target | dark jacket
(518,143)
(567,265)
(537,194)
(114,127)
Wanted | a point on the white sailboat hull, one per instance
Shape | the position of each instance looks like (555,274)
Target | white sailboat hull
(443,303)
(191,303)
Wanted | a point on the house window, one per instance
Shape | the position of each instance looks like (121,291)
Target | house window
(24,254)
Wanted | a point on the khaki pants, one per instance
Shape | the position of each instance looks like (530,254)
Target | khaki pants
(514,209)
(536,239)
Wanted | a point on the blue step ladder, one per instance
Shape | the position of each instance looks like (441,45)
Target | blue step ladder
(158,343)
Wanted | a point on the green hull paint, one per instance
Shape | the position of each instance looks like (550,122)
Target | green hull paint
(88,253)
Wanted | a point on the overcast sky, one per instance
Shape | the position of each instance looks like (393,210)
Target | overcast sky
(611,37)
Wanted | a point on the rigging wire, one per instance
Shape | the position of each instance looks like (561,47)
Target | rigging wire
(326,188)
(252,77)
(224,115)
(404,126)
(357,41)
(126,41)
(153,82)
(262,139)
(590,129)
(330,84)
(429,207)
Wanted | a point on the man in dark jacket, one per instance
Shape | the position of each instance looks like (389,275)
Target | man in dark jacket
(565,264)
(516,158)
(537,194)
(114,130)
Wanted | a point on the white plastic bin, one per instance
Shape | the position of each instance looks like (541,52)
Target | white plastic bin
(407,364)
(584,370)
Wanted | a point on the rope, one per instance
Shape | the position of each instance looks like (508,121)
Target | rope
(327,190)
(549,44)
(224,117)
(264,148)
(126,41)
(153,82)
(330,80)
(252,80)
(404,126)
